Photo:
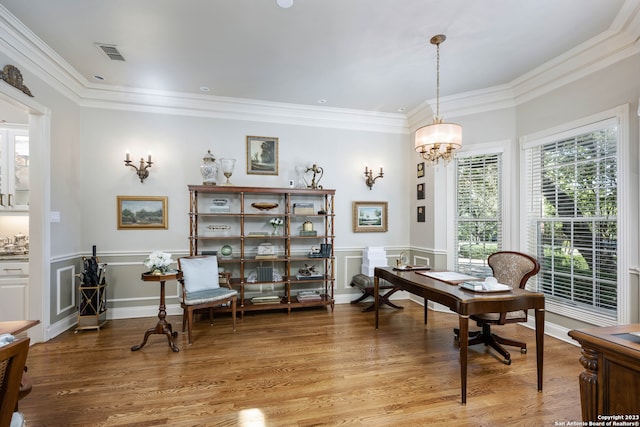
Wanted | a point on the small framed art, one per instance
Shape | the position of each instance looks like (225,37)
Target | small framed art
(370,217)
(262,155)
(142,212)
(420,170)
(420,191)
(421,217)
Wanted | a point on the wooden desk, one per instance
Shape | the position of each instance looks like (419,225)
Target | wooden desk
(162,327)
(610,383)
(465,303)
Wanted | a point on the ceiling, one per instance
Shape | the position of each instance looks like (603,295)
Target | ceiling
(370,55)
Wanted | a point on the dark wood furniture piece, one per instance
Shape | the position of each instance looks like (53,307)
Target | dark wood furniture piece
(512,269)
(216,293)
(610,383)
(244,213)
(465,303)
(12,361)
(162,327)
(365,284)
(15,327)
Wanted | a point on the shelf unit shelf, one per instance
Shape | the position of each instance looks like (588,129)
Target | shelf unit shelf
(246,227)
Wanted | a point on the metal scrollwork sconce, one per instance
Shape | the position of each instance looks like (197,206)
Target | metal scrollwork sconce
(142,170)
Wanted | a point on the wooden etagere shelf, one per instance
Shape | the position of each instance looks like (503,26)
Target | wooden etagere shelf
(264,266)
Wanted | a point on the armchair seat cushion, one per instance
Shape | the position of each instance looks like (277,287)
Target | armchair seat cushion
(512,316)
(207,295)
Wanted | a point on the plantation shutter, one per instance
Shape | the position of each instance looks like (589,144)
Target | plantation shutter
(478,224)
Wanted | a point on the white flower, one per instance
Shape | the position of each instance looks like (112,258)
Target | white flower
(158,260)
(276,222)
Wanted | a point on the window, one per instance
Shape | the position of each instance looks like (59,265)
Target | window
(572,219)
(478,224)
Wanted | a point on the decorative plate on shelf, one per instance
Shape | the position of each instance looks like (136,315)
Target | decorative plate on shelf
(263,206)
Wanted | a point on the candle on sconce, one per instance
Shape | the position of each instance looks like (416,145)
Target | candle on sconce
(128,156)
(380,169)
(366,169)
(149,158)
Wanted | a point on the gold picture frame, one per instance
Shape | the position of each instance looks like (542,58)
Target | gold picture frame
(142,212)
(262,155)
(370,217)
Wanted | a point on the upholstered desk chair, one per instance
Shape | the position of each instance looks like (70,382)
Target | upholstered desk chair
(513,269)
(13,357)
(201,289)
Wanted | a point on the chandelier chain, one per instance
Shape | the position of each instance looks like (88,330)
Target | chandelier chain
(438,81)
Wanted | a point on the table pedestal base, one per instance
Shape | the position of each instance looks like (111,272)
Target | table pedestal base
(161,328)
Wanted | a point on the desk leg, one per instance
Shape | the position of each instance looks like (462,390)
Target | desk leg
(376,297)
(464,344)
(539,344)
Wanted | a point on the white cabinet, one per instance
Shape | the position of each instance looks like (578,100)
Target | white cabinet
(14,169)
(14,284)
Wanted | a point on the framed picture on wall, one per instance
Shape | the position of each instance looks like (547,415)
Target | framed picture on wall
(420,191)
(420,169)
(370,217)
(421,217)
(262,155)
(142,212)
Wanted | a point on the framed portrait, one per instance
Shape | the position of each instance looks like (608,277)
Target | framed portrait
(370,217)
(420,169)
(420,191)
(262,155)
(421,216)
(142,213)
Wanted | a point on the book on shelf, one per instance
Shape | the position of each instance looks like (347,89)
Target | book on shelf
(270,299)
(303,209)
(309,296)
(308,276)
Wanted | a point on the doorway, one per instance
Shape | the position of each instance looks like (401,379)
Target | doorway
(16,107)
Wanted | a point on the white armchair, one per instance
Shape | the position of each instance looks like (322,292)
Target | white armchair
(201,289)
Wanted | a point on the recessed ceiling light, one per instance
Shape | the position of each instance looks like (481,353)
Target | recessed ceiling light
(322,101)
(285,4)
(98,77)
(204,89)
(401,110)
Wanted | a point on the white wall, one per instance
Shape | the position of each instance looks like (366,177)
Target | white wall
(178,144)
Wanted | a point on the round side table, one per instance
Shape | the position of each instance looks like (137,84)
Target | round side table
(162,327)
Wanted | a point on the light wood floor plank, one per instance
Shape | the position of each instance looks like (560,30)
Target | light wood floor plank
(310,368)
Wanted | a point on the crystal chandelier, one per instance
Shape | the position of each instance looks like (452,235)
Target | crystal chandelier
(438,140)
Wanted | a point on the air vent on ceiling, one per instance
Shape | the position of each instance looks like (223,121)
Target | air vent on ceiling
(111,51)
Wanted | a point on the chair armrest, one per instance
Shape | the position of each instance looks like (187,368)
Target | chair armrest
(224,278)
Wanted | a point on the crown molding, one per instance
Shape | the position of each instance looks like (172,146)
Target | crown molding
(241,109)
(619,42)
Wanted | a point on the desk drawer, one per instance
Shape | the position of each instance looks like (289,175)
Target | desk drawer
(10,269)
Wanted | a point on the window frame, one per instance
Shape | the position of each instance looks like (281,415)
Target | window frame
(502,147)
(620,116)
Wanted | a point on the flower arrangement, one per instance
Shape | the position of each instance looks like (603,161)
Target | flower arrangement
(158,262)
(276,222)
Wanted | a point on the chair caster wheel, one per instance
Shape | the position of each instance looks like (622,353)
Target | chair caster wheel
(523,350)
(507,361)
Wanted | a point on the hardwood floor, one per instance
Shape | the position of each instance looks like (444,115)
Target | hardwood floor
(310,368)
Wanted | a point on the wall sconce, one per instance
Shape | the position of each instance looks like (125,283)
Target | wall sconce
(142,170)
(368,173)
